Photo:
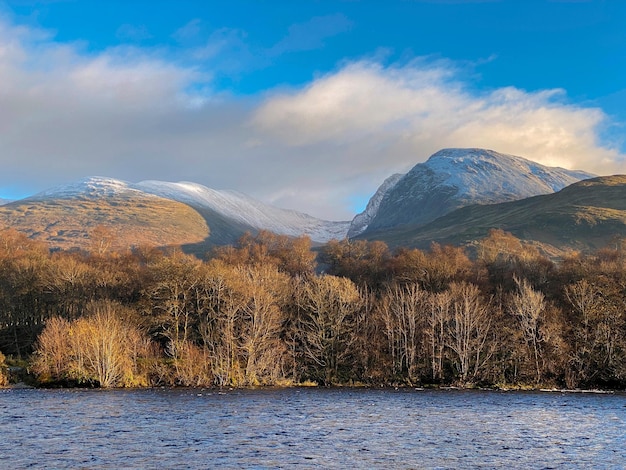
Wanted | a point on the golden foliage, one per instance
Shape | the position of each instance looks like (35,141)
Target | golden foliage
(4,379)
(98,348)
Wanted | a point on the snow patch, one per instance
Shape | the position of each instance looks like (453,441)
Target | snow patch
(242,208)
(497,177)
(230,204)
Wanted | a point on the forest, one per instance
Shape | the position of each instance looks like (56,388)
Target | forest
(273,310)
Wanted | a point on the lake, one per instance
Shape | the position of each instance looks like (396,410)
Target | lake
(310,428)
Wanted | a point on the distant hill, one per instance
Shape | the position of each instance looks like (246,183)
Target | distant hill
(133,218)
(583,216)
(231,213)
(155,213)
(454,178)
(451,198)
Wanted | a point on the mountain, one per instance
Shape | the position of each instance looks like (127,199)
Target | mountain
(156,213)
(583,216)
(246,212)
(64,217)
(164,213)
(454,178)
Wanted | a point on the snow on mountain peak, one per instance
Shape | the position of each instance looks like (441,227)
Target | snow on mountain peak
(457,177)
(494,176)
(361,221)
(232,205)
(449,179)
(248,211)
(92,187)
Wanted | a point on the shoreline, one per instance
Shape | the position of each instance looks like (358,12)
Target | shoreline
(593,391)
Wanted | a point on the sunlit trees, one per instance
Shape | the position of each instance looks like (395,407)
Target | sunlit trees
(23,266)
(467,330)
(101,238)
(363,262)
(529,307)
(53,350)
(219,305)
(258,314)
(433,270)
(598,332)
(70,281)
(264,290)
(327,309)
(403,310)
(439,305)
(169,292)
(4,379)
(291,255)
(502,257)
(98,348)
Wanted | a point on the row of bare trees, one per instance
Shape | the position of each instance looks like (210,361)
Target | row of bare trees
(265,312)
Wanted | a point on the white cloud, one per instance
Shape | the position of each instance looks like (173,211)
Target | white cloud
(131,113)
(366,121)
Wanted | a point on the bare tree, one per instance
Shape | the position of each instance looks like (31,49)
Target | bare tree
(329,305)
(440,305)
(529,307)
(99,348)
(402,309)
(467,330)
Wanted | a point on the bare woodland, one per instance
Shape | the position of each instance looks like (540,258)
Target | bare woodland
(273,311)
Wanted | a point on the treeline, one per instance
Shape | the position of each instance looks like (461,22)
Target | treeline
(272,311)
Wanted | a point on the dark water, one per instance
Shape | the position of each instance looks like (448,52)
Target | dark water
(310,428)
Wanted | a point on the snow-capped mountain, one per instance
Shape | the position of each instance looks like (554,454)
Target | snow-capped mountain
(90,188)
(454,178)
(449,179)
(247,211)
(233,207)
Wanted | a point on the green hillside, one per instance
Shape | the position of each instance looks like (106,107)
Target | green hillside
(584,216)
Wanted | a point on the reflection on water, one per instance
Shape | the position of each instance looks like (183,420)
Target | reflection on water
(310,428)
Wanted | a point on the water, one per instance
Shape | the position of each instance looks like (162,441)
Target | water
(310,428)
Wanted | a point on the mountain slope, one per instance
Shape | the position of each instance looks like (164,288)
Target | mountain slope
(66,217)
(246,212)
(156,213)
(583,216)
(454,178)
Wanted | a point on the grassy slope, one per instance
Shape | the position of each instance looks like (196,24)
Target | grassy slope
(66,223)
(583,216)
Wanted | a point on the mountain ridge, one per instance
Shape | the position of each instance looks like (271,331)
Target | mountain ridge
(581,217)
(457,177)
(199,217)
(232,211)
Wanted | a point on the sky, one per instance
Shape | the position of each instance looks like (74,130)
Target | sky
(307,105)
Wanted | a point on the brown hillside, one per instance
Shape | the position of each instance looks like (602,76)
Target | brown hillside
(131,221)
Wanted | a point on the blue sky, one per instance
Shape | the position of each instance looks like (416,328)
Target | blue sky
(307,105)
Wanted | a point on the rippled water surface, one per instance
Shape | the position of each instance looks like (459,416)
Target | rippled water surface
(310,428)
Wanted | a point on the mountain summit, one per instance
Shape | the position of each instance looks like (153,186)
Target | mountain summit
(162,213)
(228,214)
(454,178)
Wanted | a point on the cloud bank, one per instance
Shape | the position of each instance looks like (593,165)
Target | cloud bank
(136,114)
